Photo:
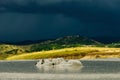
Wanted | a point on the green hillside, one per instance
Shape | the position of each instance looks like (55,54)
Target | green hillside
(59,43)
(7,50)
(114,45)
(64,42)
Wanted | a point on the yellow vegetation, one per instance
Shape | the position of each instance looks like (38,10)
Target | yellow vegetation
(71,53)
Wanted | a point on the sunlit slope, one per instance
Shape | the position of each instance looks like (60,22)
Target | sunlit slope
(71,42)
(71,53)
(9,50)
(59,43)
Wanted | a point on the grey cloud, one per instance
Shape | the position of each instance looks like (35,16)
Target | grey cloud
(95,11)
(59,17)
(63,4)
(17,26)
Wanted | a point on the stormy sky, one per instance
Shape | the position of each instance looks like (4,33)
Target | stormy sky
(45,19)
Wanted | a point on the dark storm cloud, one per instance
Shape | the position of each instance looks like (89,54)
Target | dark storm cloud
(38,19)
(105,12)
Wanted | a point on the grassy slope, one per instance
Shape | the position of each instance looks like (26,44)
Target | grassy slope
(115,45)
(59,43)
(64,42)
(63,46)
(10,50)
(71,53)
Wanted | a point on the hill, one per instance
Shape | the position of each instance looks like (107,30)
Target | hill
(9,50)
(114,45)
(69,47)
(59,43)
(64,42)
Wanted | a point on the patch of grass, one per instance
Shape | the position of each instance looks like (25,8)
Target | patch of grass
(3,56)
(68,53)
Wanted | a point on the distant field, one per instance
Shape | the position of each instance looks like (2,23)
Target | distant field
(71,53)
